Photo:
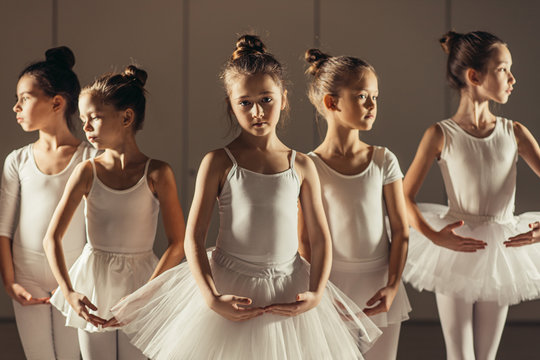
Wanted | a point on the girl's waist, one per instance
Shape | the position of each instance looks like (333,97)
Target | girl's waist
(118,251)
(264,269)
(367,265)
(475,218)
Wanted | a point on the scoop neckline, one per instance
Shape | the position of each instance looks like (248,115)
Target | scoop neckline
(61,172)
(361,173)
(487,137)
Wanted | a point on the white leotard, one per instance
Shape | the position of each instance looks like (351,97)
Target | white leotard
(122,221)
(354,206)
(491,161)
(36,195)
(253,228)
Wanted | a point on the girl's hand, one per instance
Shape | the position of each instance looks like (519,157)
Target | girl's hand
(233,308)
(112,322)
(23,297)
(530,237)
(304,302)
(385,297)
(80,304)
(449,239)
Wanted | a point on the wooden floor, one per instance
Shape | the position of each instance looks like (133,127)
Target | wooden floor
(419,341)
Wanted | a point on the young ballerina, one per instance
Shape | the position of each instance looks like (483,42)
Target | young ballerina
(33,180)
(253,296)
(124,191)
(463,252)
(360,184)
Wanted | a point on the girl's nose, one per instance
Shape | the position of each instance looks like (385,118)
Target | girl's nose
(257,111)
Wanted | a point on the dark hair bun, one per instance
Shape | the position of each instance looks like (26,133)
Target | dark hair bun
(138,74)
(248,44)
(61,56)
(316,58)
(448,40)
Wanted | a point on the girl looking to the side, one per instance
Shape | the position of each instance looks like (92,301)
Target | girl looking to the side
(360,183)
(123,191)
(470,253)
(253,297)
(33,180)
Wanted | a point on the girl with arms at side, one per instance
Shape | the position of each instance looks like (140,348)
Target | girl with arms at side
(253,297)
(123,191)
(360,183)
(467,252)
(33,181)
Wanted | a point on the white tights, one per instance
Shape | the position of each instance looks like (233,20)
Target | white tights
(109,345)
(386,346)
(472,331)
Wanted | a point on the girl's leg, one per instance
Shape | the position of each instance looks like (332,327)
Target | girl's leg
(35,330)
(98,345)
(386,346)
(66,341)
(456,317)
(126,351)
(489,319)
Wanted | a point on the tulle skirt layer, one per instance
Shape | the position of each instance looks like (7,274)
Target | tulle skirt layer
(168,318)
(361,280)
(496,273)
(104,278)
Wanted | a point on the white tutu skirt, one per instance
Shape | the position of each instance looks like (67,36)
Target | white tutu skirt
(361,280)
(496,273)
(104,278)
(168,318)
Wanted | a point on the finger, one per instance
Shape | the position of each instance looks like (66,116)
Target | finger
(535,225)
(302,297)
(241,300)
(375,310)
(454,225)
(374,298)
(87,302)
(112,322)
(97,319)
(25,295)
(517,243)
(523,236)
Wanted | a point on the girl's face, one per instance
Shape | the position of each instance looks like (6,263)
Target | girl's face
(103,124)
(34,108)
(357,103)
(256,102)
(497,82)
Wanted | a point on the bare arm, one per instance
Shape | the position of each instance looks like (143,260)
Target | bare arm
(77,186)
(211,172)
(397,213)
(304,247)
(164,185)
(429,149)
(319,240)
(529,150)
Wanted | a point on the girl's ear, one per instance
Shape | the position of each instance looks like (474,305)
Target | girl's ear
(284,100)
(129,117)
(330,102)
(473,77)
(58,103)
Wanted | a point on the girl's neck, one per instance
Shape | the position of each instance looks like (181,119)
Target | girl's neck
(124,154)
(473,113)
(56,135)
(261,143)
(340,141)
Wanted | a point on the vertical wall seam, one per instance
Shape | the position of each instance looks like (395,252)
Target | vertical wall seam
(448,26)
(54,24)
(184,101)
(316,44)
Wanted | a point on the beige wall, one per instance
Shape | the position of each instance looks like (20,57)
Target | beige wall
(182,44)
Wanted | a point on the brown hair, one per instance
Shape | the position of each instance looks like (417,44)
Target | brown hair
(124,90)
(330,73)
(55,76)
(467,51)
(250,58)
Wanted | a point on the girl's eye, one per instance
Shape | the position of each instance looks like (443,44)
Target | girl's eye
(502,70)
(266,99)
(362,96)
(374,98)
(244,103)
